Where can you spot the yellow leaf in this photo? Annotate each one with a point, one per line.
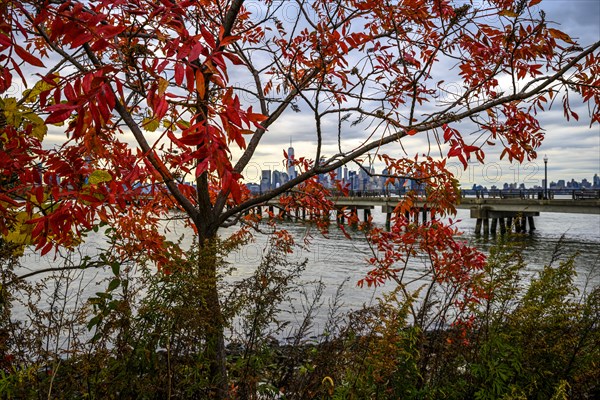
(20, 232)
(9, 106)
(99, 176)
(508, 13)
(39, 127)
(39, 131)
(163, 84)
(17, 116)
(185, 124)
(31, 95)
(150, 124)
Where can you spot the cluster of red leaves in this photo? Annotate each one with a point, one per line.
(520, 130)
(589, 74)
(458, 147)
(447, 261)
(87, 100)
(450, 260)
(17, 163)
(441, 188)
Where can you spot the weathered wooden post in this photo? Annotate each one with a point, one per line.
(531, 224)
(478, 226)
(494, 226)
(486, 226)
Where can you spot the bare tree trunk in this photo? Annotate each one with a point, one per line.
(214, 349)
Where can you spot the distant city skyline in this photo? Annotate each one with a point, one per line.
(365, 178)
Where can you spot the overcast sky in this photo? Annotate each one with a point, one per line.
(573, 148)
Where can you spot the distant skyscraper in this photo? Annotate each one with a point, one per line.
(276, 180)
(265, 183)
(353, 180)
(596, 181)
(338, 173)
(291, 168)
(323, 178)
(364, 178)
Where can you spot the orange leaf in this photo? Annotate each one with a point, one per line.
(508, 13)
(200, 84)
(229, 40)
(555, 33)
(257, 117)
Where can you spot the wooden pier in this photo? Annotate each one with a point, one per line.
(492, 213)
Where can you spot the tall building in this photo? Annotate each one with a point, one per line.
(596, 181)
(291, 168)
(364, 178)
(383, 179)
(265, 182)
(323, 178)
(353, 180)
(276, 181)
(338, 174)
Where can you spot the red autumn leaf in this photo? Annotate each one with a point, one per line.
(27, 57)
(58, 117)
(5, 40)
(179, 72)
(110, 31)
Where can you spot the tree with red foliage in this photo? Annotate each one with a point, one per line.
(109, 70)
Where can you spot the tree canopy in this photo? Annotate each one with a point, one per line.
(103, 70)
